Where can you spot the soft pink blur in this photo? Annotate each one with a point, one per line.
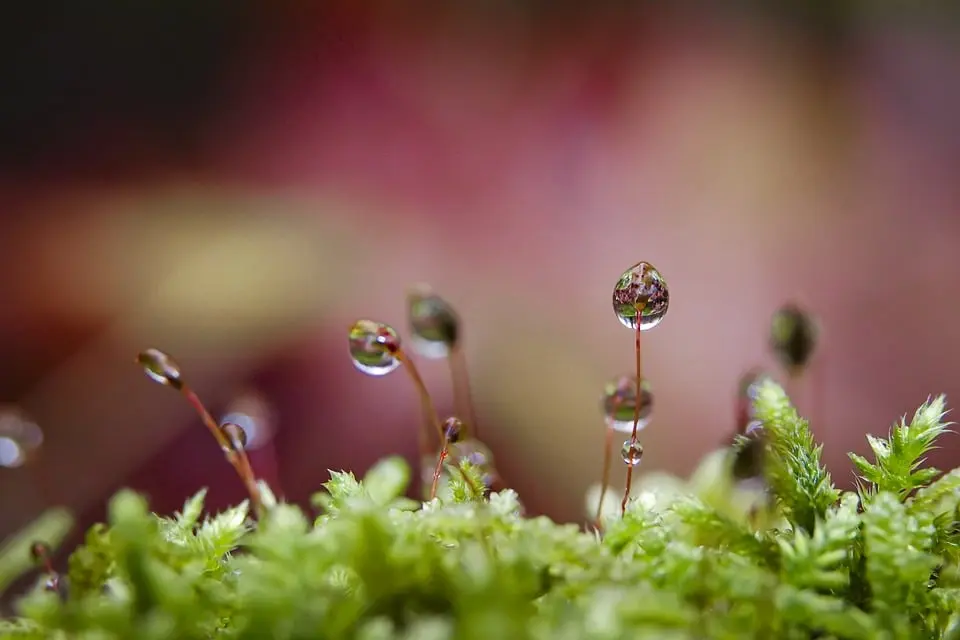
(519, 172)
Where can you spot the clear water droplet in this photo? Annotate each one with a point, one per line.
(793, 337)
(632, 453)
(160, 367)
(452, 429)
(434, 325)
(373, 347)
(235, 435)
(641, 287)
(620, 402)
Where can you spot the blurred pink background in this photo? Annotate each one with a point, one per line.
(236, 184)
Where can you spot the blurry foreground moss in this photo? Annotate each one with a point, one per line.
(881, 562)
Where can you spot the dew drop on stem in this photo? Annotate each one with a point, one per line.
(374, 347)
(793, 337)
(632, 453)
(641, 296)
(620, 403)
(434, 324)
(160, 367)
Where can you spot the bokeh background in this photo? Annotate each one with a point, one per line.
(236, 182)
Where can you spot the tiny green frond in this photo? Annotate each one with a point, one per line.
(898, 562)
(898, 459)
(192, 509)
(794, 470)
(689, 560)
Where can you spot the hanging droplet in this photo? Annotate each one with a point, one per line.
(620, 403)
(20, 437)
(793, 337)
(252, 412)
(452, 429)
(641, 289)
(434, 325)
(748, 453)
(235, 435)
(374, 347)
(160, 367)
(632, 453)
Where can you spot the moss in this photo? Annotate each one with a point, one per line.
(804, 560)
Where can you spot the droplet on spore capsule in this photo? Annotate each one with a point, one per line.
(632, 453)
(793, 337)
(235, 435)
(452, 429)
(620, 403)
(641, 290)
(434, 325)
(160, 367)
(374, 347)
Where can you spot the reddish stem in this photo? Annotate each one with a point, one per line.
(436, 472)
(235, 456)
(636, 412)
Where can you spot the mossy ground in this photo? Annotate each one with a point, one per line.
(803, 560)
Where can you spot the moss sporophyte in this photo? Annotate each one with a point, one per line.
(757, 543)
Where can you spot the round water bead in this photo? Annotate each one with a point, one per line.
(632, 453)
(160, 367)
(620, 403)
(452, 429)
(374, 347)
(235, 435)
(641, 290)
(434, 325)
(793, 337)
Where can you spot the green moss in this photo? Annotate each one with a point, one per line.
(816, 563)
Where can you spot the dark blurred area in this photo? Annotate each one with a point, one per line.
(236, 182)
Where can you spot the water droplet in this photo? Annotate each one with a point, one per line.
(434, 325)
(251, 411)
(641, 287)
(160, 367)
(452, 429)
(620, 402)
(374, 347)
(235, 435)
(748, 454)
(632, 453)
(793, 337)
